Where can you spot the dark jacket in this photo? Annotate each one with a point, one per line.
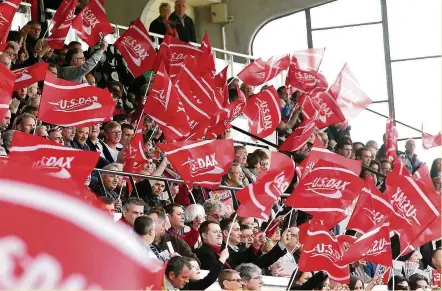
(187, 32)
(207, 281)
(179, 246)
(106, 151)
(159, 27)
(144, 190)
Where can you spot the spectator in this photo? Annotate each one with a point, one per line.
(264, 157)
(364, 155)
(418, 281)
(80, 138)
(251, 276)
(382, 151)
(412, 163)
(385, 167)
(215, 210)
(235, 234)
(74, 45)
(344, 147)
(400, 283)
(176, 217)
(108, 205)
(93, 142)
(373, 147)
(253, 168)
(230, 280)
(356, 283)
(288, 262)
(435, 168)
(127, 134)
(198, 283)
(144, 226)
(356, 145)
(54, 135)
(234, 177)
(76, 67)
(31, 109)
(53, 69)
(240, 155)
(41, 131)
(5, 121)
(68, 134)
(162, 237)
(437, 184)
(132, 209)
(182, 23)
(5, 60)
(112, 138)
(247, 90)
(177, 273)
(436, 259)
(7, 140)
(246, 236)
(162, 25)
(109, 182)
(32, 32)
(25, 123)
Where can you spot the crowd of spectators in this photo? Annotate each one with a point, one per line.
(189, 231)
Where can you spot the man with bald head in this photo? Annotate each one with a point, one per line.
(412, 162)
(5, 60)
(182, 22)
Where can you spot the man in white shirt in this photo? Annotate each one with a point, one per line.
(112, 138)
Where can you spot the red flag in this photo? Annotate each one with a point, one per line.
(134, 158)
(52, 158)
(200, 162)
(310, 59)
(304, 80)
(318, 152)
(68, 103)
(258, 198)
(322, 251)
(329, 187)
(325, 104)
(299, 137)
(391, 136)
(263, 112)
(136, 47)
(431, 231)
(165, 107)
(431, 141)
(30, 75)
(6, 87)
(374, 246)
(414, 204)
(91, 24)
(400, 168)
(350, 97)
(172, 53)
(205, 61)
(371, 209)
(7, 12)
(47, 204)
(423, 175)
(197, 98)
(260, 72)
(63, 18)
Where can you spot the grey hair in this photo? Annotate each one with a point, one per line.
(246, 271)
(211, 205)
(113, 167)
(165, 4)
(7, 138)
(192, 211)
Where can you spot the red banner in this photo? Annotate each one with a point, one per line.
(299, 137)
(63, 18)
(260, 72)
(6, 87)
(136, 47)
(91, 24)
(7, 9)
(30, 75)
(67, 103)
(35, 259)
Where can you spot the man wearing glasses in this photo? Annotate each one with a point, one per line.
(112, 138)
(77, 66)
(230, 280)
(251, 276)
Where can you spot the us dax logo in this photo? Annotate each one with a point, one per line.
(203, 166)
(135, 50)
(75, 105)
(264, 117)
(325, 250)
(55, 166)
(327, 187)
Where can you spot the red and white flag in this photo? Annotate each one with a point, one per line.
(164, 106)
(52, 158)
(134, 158)
(328, 188)
(30, 75)
(310, 59)
(350, 97)
(136, 47)
(432, 231)
(414, 205)
(373, 246)
(205, 61)
(321, 101)
(8, 9)
(299, 137)
(431, 141)
(200, 162)
(303, 80)
(73, 104)
(391, 136)
(257, 199)
(323, 252)
(7, 82)
(63, 18)
(260, 72)
(32, 259)
(263, 112)
(91, 24)
(318, 152)
(371, 209)
(172, 53)
(423, 175)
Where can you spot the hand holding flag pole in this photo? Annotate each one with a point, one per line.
(230, 230)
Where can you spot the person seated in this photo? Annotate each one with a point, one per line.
(198, 283)
(177, 273)
(251, 276)
(230, 280)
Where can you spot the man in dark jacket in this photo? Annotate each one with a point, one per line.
(182, 23)
(161, 24)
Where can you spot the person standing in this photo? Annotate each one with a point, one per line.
(161, 24)
(182, 22)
